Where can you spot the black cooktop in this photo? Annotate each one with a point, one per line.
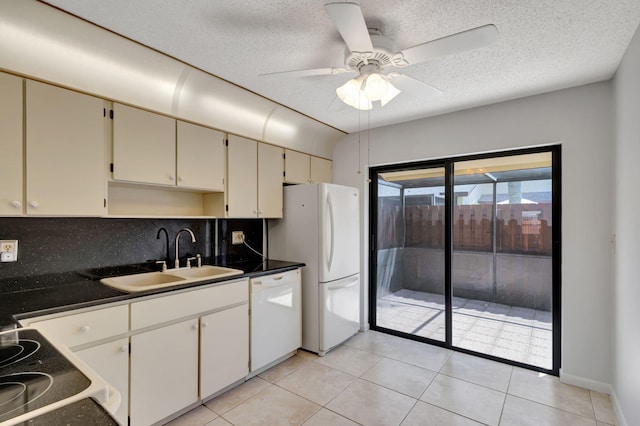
(34, 374)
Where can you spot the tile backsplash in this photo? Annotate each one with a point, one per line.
(55, 245)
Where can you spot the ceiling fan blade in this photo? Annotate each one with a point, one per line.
(412, 86)
(309, 72)
(349, 21)
(455, 43)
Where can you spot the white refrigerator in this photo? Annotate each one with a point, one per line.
(321, 227)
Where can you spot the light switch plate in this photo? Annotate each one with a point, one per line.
(8, 250)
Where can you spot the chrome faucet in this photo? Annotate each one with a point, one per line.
(193, 240)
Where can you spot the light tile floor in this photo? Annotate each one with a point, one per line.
(378, 379)
(510, 332)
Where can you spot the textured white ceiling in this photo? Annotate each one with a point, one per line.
(543, 45)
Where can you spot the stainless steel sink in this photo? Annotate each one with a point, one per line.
(172, 277)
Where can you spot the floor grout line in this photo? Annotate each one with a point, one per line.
(382, 339)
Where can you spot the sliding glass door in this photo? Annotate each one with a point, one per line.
(465, 254)
(410, 252)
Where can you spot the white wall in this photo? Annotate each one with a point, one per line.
(626, 365)
(582, 120)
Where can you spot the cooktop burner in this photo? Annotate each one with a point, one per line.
(19, 389)
(33, 374)
(16, 351)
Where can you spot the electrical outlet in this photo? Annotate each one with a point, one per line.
(8, 250)
(237, 237)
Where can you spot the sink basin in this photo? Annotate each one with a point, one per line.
(205, 272)
(172, 277)
(140, 282)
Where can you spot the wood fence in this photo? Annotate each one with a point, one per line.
(521, 228)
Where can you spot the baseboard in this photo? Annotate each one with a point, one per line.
(618, 409)
(597, 386)
(582, 382)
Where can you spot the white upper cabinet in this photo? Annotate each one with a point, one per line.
(151, 148)
(254, 179)
(270, 167)
(296, 167)
(144, 146)
(11, 182)
(65, 167)
(320, 170)
(242, 177)
(305, 168)
(200, 157)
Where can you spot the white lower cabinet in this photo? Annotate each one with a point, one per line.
(164, 371)
(175, 363)
(161, 353)
(224, 349)
(111, 361)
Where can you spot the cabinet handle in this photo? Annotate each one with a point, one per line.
(179, 178)
(34, 204)
(171, 178)
(205, 324)
(195, 326)
(16, 204)
(84, 329)
(124, 348)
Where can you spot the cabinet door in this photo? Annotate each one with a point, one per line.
(296, 166)
(111, 362)
(65, 152)
(164, 372)
(320, 170)
(11, 139)
(270, 168)
(144, 146)
(242, 177)
(224, 349)
(200, 157)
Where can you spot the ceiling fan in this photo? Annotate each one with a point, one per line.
(371, 55)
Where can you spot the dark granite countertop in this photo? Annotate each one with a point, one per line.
(47, 294)
(82, 413)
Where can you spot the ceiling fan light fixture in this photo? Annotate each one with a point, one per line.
(375, 86)
(392, 92)
(362, 91)
(351, 94)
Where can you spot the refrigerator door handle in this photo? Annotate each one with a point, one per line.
(349, 284)
(331, 221)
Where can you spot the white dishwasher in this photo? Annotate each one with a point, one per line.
(276, 317)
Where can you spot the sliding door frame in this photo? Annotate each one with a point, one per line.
(448, 165)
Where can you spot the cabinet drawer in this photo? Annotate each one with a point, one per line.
(176, 306)
(77, 329)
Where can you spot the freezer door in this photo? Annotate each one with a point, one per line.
(340, 311)
(339, 244)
